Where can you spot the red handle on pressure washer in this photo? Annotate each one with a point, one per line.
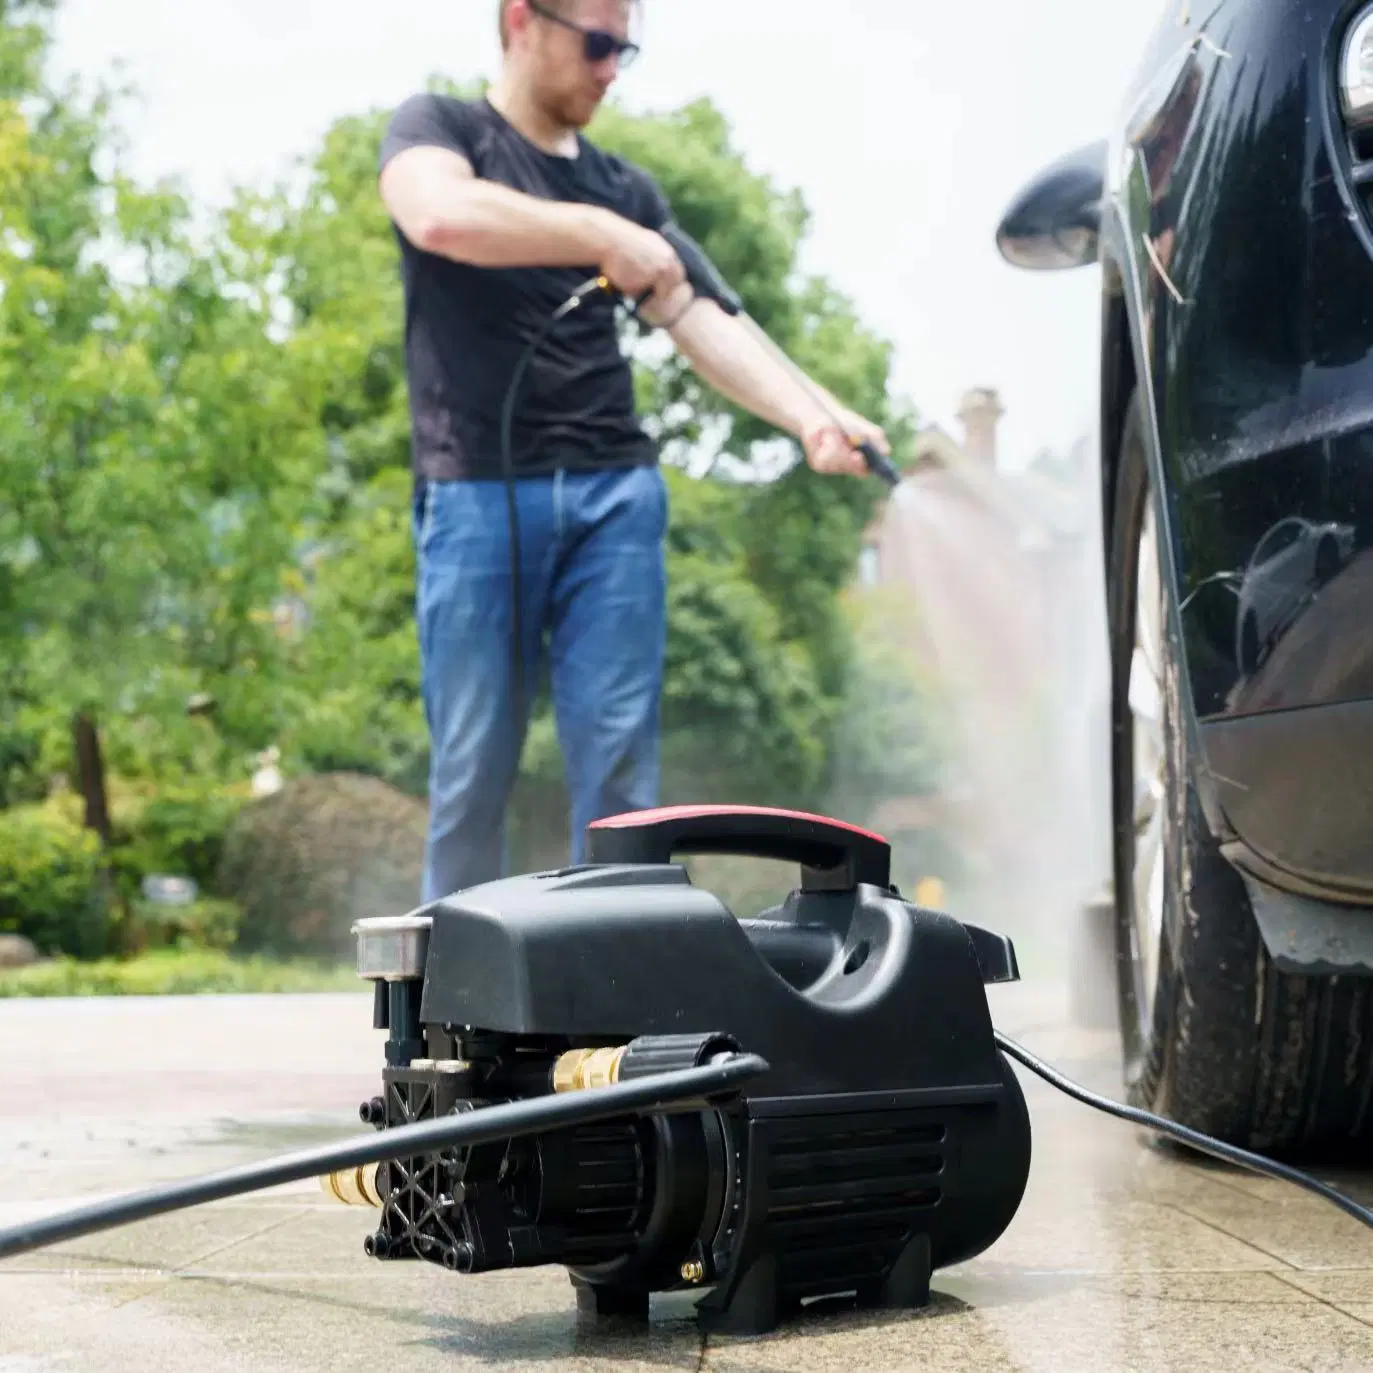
(834, 855)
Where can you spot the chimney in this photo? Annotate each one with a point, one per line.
(980, 411)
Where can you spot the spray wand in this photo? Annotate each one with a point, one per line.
(706, 284)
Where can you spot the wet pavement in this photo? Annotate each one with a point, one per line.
(1123, 1256)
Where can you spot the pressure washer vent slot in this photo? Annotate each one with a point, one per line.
(846, 1195)
(852, 1171)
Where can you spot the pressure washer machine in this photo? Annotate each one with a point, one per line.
(884, 1136)
(603, 1068)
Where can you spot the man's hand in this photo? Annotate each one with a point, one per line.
(830, 446)
(636, 260)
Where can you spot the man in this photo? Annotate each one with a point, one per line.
(502, 207)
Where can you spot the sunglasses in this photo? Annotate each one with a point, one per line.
(597, 44)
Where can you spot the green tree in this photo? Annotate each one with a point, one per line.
(152, 447)
(199, 434)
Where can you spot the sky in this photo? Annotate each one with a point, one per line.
(907, 125)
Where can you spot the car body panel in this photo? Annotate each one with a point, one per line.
(1236, 253)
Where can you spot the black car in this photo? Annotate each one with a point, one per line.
(1230, 212)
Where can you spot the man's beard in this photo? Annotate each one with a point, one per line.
(573, 110)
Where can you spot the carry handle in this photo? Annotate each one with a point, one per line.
(833, 855)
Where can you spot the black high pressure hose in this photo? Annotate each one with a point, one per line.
(573, 302)
(713, 1084)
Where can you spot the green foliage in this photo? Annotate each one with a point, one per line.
(321, 853)
(157, 446)
(353, 687)
(205, 923)
(204, 441)
(178, 831)
(886, 736)
(50, 890)
(176, 973)
(53, 887)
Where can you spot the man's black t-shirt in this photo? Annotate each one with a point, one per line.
(465, 327)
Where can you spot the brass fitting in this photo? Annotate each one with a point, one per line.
(578, 1069)
(353, 1186)
(693, 1271)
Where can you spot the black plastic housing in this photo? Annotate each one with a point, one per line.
(888, 1138)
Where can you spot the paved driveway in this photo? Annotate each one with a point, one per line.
(1122, 1257)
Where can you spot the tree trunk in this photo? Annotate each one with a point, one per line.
(90, 771)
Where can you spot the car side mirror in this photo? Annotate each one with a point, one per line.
(1053, 224)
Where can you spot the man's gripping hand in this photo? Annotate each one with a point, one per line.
(830, 438)
(638, 261)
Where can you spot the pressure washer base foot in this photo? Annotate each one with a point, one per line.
(618, 1303)
(750, 1306)
(907, 1285)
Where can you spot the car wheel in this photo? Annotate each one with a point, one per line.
(1213, 1035)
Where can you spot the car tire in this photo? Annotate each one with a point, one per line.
(1213, 1035)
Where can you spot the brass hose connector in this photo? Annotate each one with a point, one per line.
(353, 1186)
(578, 1069)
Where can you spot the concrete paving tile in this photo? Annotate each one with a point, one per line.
(160, 1244)
(1351, 1183)
(47, 1326)
(1293, 1227)
(1055, 1323)
(1122, 1256)
(1352, 1287)
(1349, 1292)
(1060, 1232)
(315, 1239)
(1051, 1320)
(422, 1316)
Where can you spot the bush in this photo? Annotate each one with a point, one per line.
(170, 973)
(178, 830)
(51, 888)
(205, 923)
(323, 852)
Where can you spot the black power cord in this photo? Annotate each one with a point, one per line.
(709, 1084)
(707, 284)
(1205, 1144)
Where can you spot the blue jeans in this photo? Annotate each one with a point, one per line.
(593, 597)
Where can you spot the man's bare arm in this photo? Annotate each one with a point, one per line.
(729, 357)
(443, 207)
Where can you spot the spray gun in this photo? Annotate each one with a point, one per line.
(707, 284)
